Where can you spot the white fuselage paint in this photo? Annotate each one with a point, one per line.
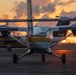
(42, 32)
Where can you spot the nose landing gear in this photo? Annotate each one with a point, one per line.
(43, 57)
(15, 58)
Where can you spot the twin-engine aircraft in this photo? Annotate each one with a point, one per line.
(40, 39)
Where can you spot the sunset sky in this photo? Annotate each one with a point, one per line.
(41, 8)
(14, 9)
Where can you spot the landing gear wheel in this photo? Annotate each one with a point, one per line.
(43, 57)
(63, 58)
(15, 58)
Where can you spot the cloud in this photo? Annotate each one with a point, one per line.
(67, 2)
(40, 2)
(48, 8)
(5, 16)
(40, 7)
(71, 1)
(36, 10)
(71, 13)
(21, 9)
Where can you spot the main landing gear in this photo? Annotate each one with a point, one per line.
(63, 57)
(16, 58)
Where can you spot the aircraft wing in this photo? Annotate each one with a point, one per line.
(58, 28)
(39, 30)
(9, 28)
(58, 32)
(42, 31)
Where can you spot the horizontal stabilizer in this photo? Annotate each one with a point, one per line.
(62, 23)
(61, 33)
(10, 28)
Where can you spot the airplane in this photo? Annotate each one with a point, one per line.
(38, 39)
(7, 42)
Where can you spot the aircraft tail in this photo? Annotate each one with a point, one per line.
(57, 35)
(62, 23)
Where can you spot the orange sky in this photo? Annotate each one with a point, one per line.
(46, 8)
(71, 39)
(41, 9)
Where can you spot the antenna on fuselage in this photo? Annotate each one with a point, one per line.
(29, 12)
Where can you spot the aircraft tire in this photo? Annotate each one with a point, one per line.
(43, 57)
(15, 58)
(63, 58)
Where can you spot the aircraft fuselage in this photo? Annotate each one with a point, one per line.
(38, 43)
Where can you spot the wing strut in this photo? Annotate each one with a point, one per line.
(17, 40)
(60, 40)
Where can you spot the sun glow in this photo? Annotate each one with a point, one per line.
(64, 41)
(71, 39)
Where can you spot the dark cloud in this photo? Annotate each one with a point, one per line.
(36, 10)
(48, 8)
(20, 9)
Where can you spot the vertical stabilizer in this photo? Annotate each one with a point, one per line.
(29, 12)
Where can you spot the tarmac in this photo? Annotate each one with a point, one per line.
(32, 64)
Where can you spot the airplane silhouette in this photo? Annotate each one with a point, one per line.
(38, 39)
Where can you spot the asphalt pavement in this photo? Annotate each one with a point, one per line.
(32, 64)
